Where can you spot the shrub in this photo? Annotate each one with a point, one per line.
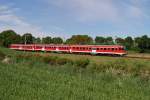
(63, 61)
(50, 60)
(119, 64)
(2, 55)
(82, 63)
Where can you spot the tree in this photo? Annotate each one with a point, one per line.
(103, 40)
(27, 38)
(57, 40)
(80, 39)
(47, 40)
(37, 40)
(142, 42)
(109, 41)
(8, 37)
(120, 41)
(99, 40)
(129, 42)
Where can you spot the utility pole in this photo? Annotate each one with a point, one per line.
(25, 40)
(115, 40)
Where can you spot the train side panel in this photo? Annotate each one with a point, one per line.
(92, 49)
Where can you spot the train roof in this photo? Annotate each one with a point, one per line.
(67, 45)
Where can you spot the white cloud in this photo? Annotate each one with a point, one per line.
(95, 10)
(9, 20)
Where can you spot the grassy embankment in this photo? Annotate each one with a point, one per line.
(38, 76)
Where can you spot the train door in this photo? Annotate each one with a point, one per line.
(94, 51)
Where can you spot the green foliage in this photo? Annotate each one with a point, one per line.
(47, 40)
(39, 81)
(99, 40)
(120, 41)
(82, 63)
(27, 38)
(64, 61)
(8, 37)
(140, 44)
(143, 43)
(35, 76)
(37, 40)
(129, 42)
(2, 55)
(52, 60)
(80, 39)
(57, 40)
(104, 41)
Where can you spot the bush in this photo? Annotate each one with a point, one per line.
(50, 60)
(82, 63)
(63, 61)
(2, 55)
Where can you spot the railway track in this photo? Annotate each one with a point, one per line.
(137, 57)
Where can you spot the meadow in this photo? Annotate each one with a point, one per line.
(51, 76)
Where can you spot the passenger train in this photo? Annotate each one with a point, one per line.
(88, 49)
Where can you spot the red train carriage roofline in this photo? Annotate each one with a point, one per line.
(97, 49)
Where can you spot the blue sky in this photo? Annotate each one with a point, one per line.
(117, 18)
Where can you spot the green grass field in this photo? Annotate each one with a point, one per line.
(33, 79)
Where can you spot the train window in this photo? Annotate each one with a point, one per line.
(104, 48)
(108, 48)
(97, 48)
(121, 48)
(116, 49)
(112, 49)
(93, 48)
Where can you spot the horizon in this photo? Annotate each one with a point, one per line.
(64, 18)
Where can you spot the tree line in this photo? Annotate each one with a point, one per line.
(141, 44)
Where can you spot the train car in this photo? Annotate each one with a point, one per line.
(89, 49)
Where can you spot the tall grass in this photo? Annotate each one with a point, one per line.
(24, 81)
(32, 76)
(2, 55)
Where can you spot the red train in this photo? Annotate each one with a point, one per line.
(89, 49)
